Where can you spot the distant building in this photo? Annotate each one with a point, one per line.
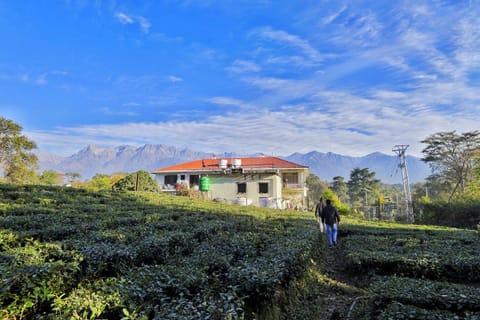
(258, 181)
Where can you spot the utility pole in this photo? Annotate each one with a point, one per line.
(400, 151)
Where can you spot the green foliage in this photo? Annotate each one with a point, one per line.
(426, 294)
(420, 269)
(425, 256)
(453, 158)
(69, 253)
(15, 156)
(89, 300)
(50, 178)
(32, 273)
(100, 182)
(340, 188)
(361, 181)
(400, 311)
(342, 208)
(141, 180)
(462, 214)
(400, 296)
(315, 188)
(20, 172)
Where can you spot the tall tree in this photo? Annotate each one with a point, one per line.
(361, 184)
(339, 186)
(315, 188)
(453, 157)
(18, 162)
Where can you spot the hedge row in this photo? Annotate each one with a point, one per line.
(407, 298)
(67, 253)
(430, 258)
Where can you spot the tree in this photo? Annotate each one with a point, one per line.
(362, 182)
(340, 188)
(336, 202)
(100, 182)
(18, 162)
(50, 178)
(72, 177)
(315, 188)
(453, 158)
(141, 178)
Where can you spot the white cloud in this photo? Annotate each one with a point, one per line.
(142, 22)
(124, 18)
(228, 101)
(243, 66)
(336, 121)
(331, 17)
(292, 40)
(174, 79)
(397, 76)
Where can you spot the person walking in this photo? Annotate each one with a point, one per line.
(318, 213)
(331, 219)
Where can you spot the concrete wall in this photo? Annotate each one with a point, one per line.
(225, 188)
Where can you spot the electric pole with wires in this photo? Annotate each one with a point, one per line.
(400, 151)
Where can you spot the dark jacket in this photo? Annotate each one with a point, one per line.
(330, 215)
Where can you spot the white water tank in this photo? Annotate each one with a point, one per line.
(223, 163)
(236, 163)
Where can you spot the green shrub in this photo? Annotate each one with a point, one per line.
(76, 254)
(407, 298)
(141, 180)
(461, 214)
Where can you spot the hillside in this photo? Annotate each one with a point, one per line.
(69, 253)
(94, 159)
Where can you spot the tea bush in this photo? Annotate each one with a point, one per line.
(74, 254)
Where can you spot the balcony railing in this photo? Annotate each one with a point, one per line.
(293, 185)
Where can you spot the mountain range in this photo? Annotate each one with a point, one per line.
(94, 159)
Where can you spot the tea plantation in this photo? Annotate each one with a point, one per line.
(73, 254)
(68, 253)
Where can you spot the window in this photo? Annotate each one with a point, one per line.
(241, 187)
(171, 179)
(194, 179)
(262, 187)
(182, 177)
(290, 178)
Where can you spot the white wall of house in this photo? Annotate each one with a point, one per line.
(262, 190)
(180, 178)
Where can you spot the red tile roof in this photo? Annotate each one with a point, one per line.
(246, 163)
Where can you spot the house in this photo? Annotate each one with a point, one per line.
(259, 181)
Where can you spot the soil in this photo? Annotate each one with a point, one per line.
(330, 291)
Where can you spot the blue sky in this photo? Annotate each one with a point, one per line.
(350, 77)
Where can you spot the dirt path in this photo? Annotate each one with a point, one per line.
(329, 289)
(343, 287)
